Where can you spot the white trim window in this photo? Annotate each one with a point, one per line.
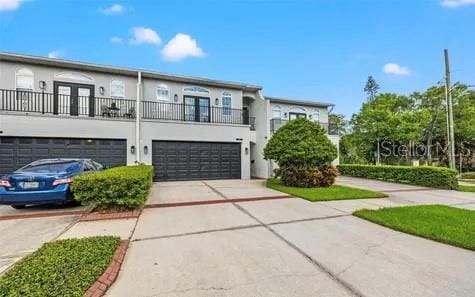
(226, 101)
(276, 112)
(163, 93)
(195, 89)
(24, 80)
(117, 89)
(316, 116)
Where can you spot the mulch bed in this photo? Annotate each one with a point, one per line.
(111, 215)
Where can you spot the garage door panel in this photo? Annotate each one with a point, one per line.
(16, 152)
(181, 160)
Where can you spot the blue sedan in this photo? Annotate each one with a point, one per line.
(46, 181)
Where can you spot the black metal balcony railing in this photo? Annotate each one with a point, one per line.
(194, 113)
(275, 124)
(57, 104)
(89, 106)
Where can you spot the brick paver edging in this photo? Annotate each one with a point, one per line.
(41, 215)
(105, 281)
(96, 216)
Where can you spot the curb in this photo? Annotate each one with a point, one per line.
(105, 281)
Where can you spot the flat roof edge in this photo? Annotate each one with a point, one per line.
(38, 60)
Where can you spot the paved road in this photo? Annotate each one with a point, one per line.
(287, 247)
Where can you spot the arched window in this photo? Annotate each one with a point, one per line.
(195, 89)
(117, 89)
(276, 112)
(24, 80)
(226, 102)
(316, 116)
(163, 94)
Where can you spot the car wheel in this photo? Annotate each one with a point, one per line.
(21, 206)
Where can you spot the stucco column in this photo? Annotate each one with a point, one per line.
(138, 147)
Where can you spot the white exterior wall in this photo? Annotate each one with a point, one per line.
(308, 110)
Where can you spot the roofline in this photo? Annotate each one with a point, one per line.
(38, 60)
(298, 101)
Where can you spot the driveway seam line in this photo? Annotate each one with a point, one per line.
(197, 232)
(345, 285)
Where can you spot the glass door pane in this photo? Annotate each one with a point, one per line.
(204, 109)
(190, 111)
(83, 101)
(64, 99)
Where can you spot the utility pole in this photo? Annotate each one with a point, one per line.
(450, 116)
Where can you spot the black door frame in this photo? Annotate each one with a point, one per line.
(74, 98)
(197, 108)
(297, 114)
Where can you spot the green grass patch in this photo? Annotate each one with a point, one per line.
(334, 192)
(446, 224)
(60, 268)
(465, 188)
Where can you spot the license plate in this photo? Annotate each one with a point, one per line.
(30, 185)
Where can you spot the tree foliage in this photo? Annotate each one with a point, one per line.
(371, 88)
(302, 142)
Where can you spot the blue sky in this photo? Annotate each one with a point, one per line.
(318, 50)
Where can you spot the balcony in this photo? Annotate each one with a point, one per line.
(114, 108)
(275, 124)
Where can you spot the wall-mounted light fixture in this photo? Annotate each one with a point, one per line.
(309, 116)
(145, 149)
(246, 150)
(216, 101)
(102, 90)
(132, 149)
(285, 115)
(175, 98)
(42, 85)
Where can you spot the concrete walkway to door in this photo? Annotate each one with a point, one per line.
(278, 247)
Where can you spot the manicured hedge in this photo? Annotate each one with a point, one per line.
(435, 177)
(468, 175)
(60, 268)
(120, 187)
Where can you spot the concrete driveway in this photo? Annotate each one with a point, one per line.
(279, 247)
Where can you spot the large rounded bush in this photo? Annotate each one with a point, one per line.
(304, 153)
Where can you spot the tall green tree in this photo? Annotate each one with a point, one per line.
(371, 88)
(338, 124)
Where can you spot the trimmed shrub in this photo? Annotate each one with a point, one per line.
(124, 187)
(307, 177)
(435, 177)
(60, 268)
(468, 175)
(303, 152)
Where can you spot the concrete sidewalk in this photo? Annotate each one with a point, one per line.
(286, 247)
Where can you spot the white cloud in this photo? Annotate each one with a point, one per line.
(6, 5)
(116, 39)
(55, 54)
(456, 3)
(396, 69)
(114, 9)
(144, 35)
(181, 47)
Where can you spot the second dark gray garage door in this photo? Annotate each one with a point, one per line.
(16, 152)
(183, 160)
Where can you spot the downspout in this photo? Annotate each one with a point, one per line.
(137, 118)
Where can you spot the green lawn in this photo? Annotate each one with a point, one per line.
(446, 224)
(60, 268)
(334, 192)
(465, 188)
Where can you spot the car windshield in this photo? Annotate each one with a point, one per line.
(53, 166)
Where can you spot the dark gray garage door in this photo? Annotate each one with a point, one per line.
(180, 160)
(16, 152)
